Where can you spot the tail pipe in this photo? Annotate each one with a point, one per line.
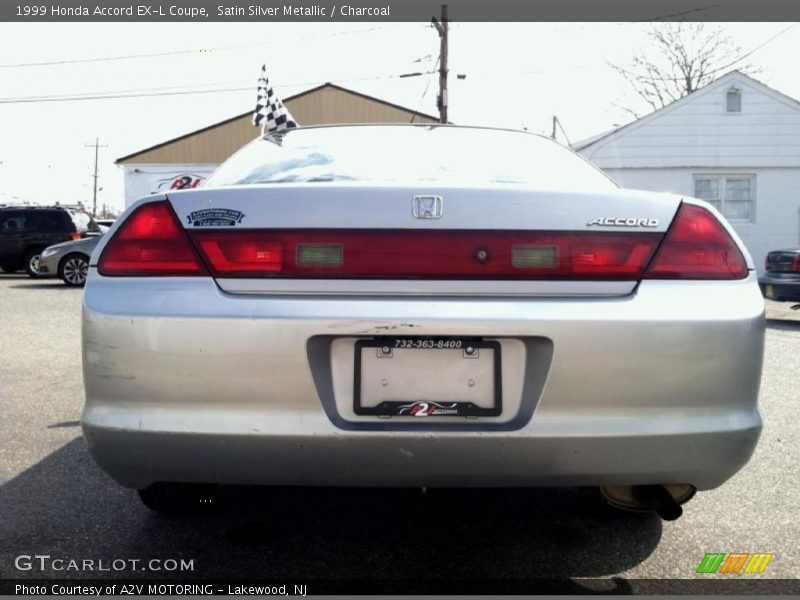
(664, 499)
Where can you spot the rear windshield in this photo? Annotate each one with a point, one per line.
(82, 221)
(397, 154)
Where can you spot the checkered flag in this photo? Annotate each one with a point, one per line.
(270, 113)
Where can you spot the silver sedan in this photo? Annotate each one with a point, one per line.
(69, 260)
(421, 306)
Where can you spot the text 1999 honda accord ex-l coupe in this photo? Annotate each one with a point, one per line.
(421, 306)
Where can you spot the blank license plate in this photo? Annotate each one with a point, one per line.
(427, 377)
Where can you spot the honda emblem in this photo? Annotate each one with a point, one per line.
(427, 207)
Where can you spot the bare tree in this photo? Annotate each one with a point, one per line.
(680, 58)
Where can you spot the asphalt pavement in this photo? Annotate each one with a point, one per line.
(55, 501)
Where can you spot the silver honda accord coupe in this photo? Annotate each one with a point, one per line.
(383, 305)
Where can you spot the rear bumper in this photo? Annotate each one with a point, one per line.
(187, 383)
(137, 459)
(781, 289)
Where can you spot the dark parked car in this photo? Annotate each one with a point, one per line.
(27, 230)
(781, 281)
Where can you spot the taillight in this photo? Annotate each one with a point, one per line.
(796, 263)
(151, 242)
(697, 246)
(74, 235)
(425, 254)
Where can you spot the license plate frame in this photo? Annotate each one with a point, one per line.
(432, 407)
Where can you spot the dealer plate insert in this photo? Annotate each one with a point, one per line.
(445, 357)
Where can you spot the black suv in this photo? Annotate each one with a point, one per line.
(27, 230)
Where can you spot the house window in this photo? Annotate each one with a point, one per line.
(733, 101)
(733, 196)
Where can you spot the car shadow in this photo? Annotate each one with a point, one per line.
(43, 285)
(66, 506)
(783, 324)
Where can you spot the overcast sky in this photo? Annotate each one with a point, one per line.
(518, 75)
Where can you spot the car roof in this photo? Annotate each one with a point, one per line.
(26, 207)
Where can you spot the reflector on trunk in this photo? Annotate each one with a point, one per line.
(320, 255)
(433, 254)
(532, 257)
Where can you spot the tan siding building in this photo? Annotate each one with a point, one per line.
(187, 160)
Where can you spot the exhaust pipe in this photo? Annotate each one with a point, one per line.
(665, 499)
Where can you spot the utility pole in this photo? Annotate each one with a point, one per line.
(96, 147)
(442, 27)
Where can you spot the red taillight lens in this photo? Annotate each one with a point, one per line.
(425, 254)
(150, 242)
(697, 246)
(239, 256)
(796, 264)
(74, 235)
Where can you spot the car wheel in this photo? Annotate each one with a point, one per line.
(176, 498)
(8, 268)
(32, 263)
(73, 269)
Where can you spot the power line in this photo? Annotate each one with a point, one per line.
(178, 52)
(117, 95)
(159, 88)
(194, 89)
(121, 57)
(425, 92)
(207, 88)
(759, 47)
(112, 97)
(733, 62)
(676, 16)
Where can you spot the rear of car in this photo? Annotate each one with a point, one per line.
(420, 306)
(781, 278)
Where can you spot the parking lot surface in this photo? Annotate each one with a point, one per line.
(55, 501)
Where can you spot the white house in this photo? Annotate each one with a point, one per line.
(734, 143)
